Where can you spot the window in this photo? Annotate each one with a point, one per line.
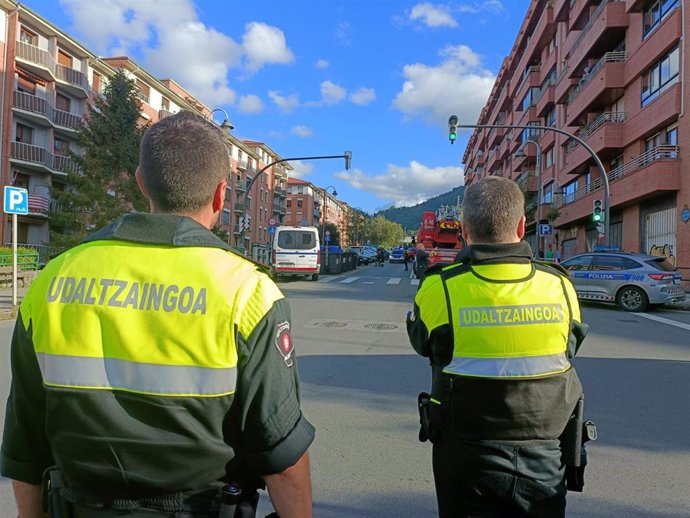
(300, 189)
(64, 59)
(530, 133)
(21, 180)
(612, 262)
(299, 203)
(547, 196)
(25, 134)
(28, 37)
(144, 90)
(96, 82)
(569, 191)
(654, 12)
(288, 204)
(550, 119)
(663, 74)
(581, 262)
(548, 157)
(61, 147)
(165, 104)
(63, 102)
(226, 217)
(228, 194)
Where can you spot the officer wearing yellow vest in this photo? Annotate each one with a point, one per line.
(499, 330)
(152, 365)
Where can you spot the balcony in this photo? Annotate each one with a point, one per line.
(35, 108)
(606, 26)
(240, 186)
(63, 119)
(142, 96)
(661, 111)
(543, 31)
(657, 170)
(39, 62)
(239, 206)
(530, 79)
(588, 130)
(563, 84)
(605, 132)
(278, 208)
(162, 114)
(278, 191)
(72, 80)
(527, 182)
(600, 87)
(545, 98)
(39, 205)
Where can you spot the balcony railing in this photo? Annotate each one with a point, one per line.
(239, 206)
(664, 152)
(609, 57)
(525, 76)
(587, 130)
(240, 186)
(71, 76)
(141, 95)
(34, 104)
(38, 203)
(543, 90)
(36, 55)
(162, 114)
(40, 155)
(593, 18)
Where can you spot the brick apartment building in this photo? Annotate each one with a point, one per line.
(613, 73)
(48, 79)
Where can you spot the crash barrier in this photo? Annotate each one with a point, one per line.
(338, 262)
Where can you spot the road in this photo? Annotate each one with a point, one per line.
(360, 379)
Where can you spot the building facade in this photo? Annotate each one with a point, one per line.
(613, 73)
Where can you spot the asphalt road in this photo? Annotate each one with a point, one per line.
(360, 379)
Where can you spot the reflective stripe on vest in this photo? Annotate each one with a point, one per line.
(143, 378)
(508, 320)
(151, 319)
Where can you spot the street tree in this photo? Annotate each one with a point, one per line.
(383, 232)
(101, 186)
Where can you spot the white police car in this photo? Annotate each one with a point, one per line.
(633, 281)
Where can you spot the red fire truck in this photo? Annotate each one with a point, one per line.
(439, 232)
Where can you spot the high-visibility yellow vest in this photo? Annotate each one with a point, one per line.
(162, 322)
(508, 320)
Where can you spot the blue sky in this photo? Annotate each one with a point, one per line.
(318, 77)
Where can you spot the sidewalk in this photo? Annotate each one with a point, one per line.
(8, 312)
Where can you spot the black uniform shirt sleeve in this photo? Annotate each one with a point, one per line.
(25, 449)
(266, 426)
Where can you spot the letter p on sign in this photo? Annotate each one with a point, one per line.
(16, 200)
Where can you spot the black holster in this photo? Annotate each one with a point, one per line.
(573, 451)
(53, 503)
(428, 430)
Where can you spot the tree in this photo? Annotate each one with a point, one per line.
(102, 186)
(334, 238)
(383, 232)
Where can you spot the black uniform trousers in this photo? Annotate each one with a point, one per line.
(487, 479)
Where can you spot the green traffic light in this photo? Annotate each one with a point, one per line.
(452, 136)
(596, 217)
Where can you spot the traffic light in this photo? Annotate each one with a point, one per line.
(247, 222)
(452, 128)
(598, 211)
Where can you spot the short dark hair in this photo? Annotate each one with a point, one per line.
(492, 208)
(182, 160)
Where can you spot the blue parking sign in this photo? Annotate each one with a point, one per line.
(16, 200)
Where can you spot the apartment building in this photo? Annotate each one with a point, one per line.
(612, 73)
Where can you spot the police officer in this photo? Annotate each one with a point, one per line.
(503, 388)
(152, 364)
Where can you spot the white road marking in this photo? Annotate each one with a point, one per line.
(394, 280)
(349, 280)
(368, 282)
(414, 282)
(663, 320)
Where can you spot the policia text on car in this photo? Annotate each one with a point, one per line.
(152, 366)
(505, 411)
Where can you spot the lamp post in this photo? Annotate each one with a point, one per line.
(324, 193)
(347, 155)
(597, 160)
(540, 189)
(226, 123)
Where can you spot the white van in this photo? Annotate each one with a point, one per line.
(296, 251)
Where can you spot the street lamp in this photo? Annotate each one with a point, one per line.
(226, 123)
(324, 193)
(595, 157)
(520, 153)
(347, 155)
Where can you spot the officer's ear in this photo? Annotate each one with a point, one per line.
(140, 182)
(219, 196)
(521, 227)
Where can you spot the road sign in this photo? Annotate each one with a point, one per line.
(16, 200)
(271, 230)
(272, 222)
(600, 228)
(327, 237)
(328, 233)
(545, 229)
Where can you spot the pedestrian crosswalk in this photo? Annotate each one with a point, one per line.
(390, 281)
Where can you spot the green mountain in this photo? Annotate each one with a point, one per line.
(411, 217)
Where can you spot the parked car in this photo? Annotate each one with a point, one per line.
(632, 281)
(397, 255)
(364, 254)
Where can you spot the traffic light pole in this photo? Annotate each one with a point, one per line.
(597, 160)
(347, 155)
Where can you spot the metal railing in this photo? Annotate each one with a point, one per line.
(66, 119)
(71, 76)
(525, 76)
(40, 155)
(593, 18)
(241, 186)
(34, 104)
(239, 206)
(609, 57)
(44, 58)
(162, 114)
(663, 152)
(543, 89)
(588, 130)
(141, 95)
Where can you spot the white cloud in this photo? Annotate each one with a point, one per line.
(406, 185)
(285, 102)
(264, 44)
(458, 85)
(362, 96)
(302, 131)
(250, 104)
(495, 6)
(433, 15)
(322, 64)
(332, 93)
(300, 169)
(343, 34)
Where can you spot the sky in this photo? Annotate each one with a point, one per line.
(318, 77)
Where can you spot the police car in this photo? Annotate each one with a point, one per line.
(632, 281)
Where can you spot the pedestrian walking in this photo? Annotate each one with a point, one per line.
(500, 331)
(152, 366)
(406, 258)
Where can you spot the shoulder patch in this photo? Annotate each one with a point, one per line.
(283, 342)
